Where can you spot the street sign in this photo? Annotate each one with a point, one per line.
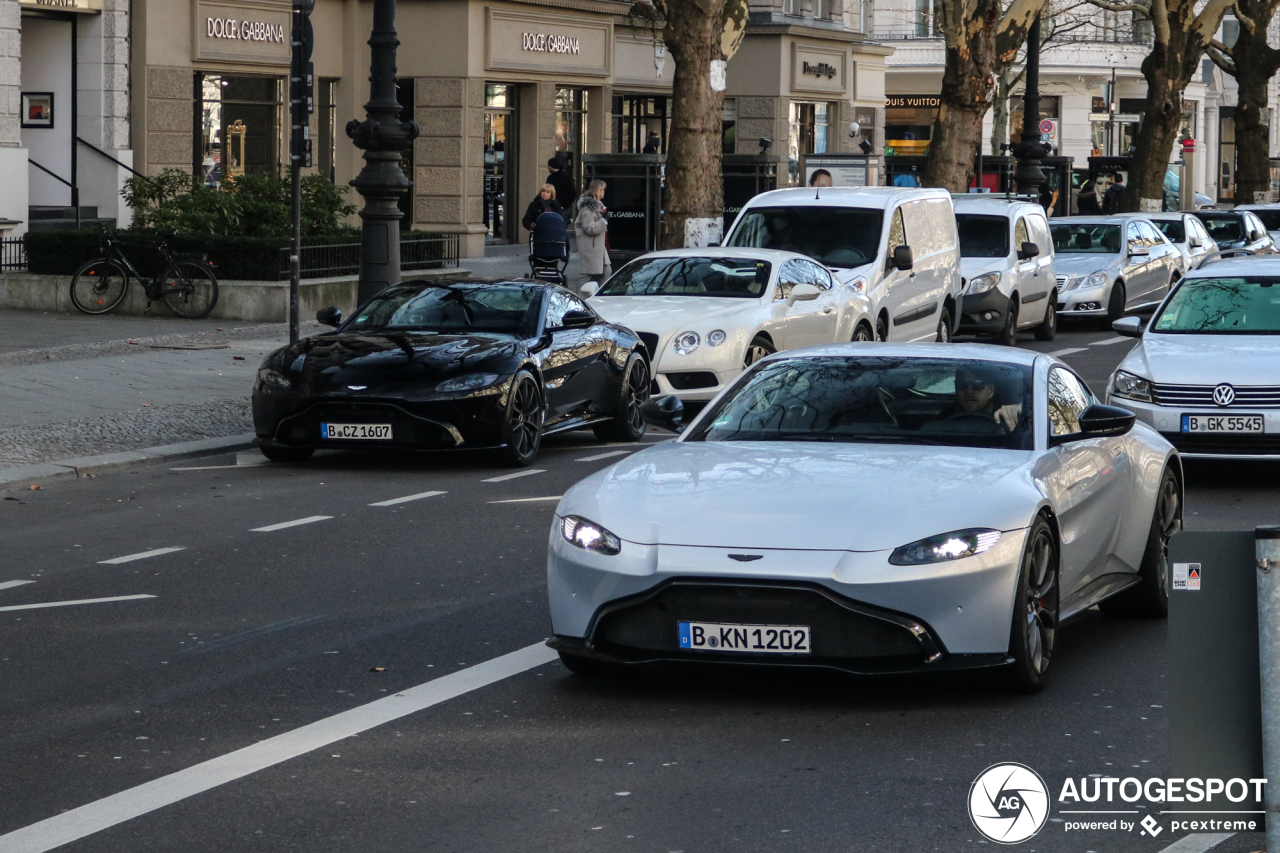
(1128, 118)
(1099, 116)
(1049, 131)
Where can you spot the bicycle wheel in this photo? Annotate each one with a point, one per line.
(190, 289)
(98, 286)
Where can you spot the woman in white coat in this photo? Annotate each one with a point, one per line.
(591, 226)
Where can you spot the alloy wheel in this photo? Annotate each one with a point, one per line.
(637, 392)
(525, 418)
(1167, 511)
(755, 352)
(1041, 605)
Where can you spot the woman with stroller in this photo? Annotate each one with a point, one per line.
(592, 227)
(545, 200)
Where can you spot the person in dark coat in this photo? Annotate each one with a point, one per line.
(1087, 203)
(545, 200)
(1114, 195)
(559, 178)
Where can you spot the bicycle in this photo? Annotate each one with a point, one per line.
(185, 283)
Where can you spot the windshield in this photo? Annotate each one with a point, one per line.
(742, 278)
(452, 308)
(1223, 306)
(949, 402)
(1223, 227)
(1085, 239)
(982, 236)
(834, 236)
(1270, 218)
(1171, 228)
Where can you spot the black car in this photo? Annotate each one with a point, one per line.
(1237, 229)
(439, 365)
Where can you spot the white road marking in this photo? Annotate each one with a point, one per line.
(1117, 340)
(282, 525)
(142, 556)
(1198, 843)
(528, 500)
(604, 455)
(116, 809)
(408, 498)
(503, 478)
(68, 604)
(12, 584)
(1060, 353)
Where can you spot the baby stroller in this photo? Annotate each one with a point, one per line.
(549, 248)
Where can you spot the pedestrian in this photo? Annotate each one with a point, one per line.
(592, 228)
(1114, 195)
(652, 144)
(1087, 202)
(1048, 198)
(545, 200)
(563, 184)
(906, 179)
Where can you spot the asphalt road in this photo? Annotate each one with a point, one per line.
(252, 635)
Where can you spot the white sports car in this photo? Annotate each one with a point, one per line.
(704, 314)
(871, 508)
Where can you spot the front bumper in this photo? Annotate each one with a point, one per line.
(691, 385)
(983, 313)
(1167, 420)
(1084, 301)
(962, 607)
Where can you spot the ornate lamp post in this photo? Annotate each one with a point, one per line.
(383, 136)
(1030, 149)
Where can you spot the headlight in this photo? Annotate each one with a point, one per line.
(1096, 279)
(274, 378)
(589, 536)
(946, 546)
(857, 285)
(983, 283)
(1131, 387)
(716, 338)
(468, 383)
(686, 342)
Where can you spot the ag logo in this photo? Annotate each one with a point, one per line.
(1008, 803)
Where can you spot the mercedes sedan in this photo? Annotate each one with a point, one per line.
(870, 508)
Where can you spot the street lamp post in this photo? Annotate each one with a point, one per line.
(381, 182)
(1030, 149)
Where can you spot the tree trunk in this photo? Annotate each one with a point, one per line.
(1154, 142)
(1255, 63)
(695, 191)
(967, 83)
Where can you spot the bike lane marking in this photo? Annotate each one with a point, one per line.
(115, 561)
(282, 525)
(408, 498)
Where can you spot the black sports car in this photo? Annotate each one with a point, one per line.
(438, 365)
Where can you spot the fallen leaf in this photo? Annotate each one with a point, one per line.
(238, 357)
(378, 669)
(33, 487)
(132, 341)
(148, 405)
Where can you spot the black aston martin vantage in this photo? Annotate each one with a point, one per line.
(439, 365)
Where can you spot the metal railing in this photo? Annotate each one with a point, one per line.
(13, 255)
(335, 259)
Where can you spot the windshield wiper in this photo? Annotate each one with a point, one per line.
(781, 436)
(893, 439)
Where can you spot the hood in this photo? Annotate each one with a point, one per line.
(1065, 263)
(801, 495)
(667, 314)
(971, 268)
(844, 275)
(1205, 359)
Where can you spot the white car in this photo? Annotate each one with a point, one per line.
(1107, 266)
(895, 245)
(871, 508)
(1206, 372)
(1006, 258)
(705, 314)
(1187, 232)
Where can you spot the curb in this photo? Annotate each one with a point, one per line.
(66, 469)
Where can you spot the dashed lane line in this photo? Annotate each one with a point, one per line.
(12, 584)
(1109, 341)
(1198, 843)
(282, 525)
(599, 456)
(1060, 353)
(504, 477)
(408, 498)
(140, 556)
(102, 814)
(69, 604)
(528, 500)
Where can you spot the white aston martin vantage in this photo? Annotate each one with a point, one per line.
(870, 508)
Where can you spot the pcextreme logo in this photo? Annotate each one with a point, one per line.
(1008, 803)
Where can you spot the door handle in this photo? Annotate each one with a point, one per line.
(827, 310)
(911, 275)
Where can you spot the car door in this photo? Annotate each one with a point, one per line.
(1163, 264)
(922, 290)
(1262, 244)
(813, 321)
(1137, 264)
(1024, 270)
(574, 367)
(896, 284)
(1043, 285)
(1207, 244)
(1089, 481)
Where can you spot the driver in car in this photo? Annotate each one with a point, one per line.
(976, 395)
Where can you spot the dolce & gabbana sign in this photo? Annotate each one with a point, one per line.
(235, 31)
(549, 43)
(564, 44)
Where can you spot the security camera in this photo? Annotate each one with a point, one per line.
(765, 142)
(865, 146)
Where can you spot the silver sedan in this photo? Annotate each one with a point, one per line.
(1107, 266)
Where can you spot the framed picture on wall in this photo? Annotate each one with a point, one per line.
(37, 109)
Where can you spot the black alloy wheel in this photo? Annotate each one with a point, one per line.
(759, 347)
(1115, 305)
(277, 453)
(1035, 612)
(863, 334)
(1149, 598)
(626, 423)
(1048, 328)
(522, 426)
(944, 328)
(1008, 334)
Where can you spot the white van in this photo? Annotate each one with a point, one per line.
(1006, 257)
(895, 245)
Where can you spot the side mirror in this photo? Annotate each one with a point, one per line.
(1130, 327)
(665, 412)
(577, 320)
(1139, 251)
(329, 316)
(1099, 421)
(803, 293)
(903, 259)
(1195, 242)
(713, 245)
(589, 289)
(1028, 251)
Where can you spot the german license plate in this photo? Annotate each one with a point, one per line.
(358, 432)
(752, 639)
(1222, 423)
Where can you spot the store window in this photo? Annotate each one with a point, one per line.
(571, 125)
(239, 126)
(327, 127)
(640, 124)
(729, 126)
(499, 158)
(908, 123)
(808, 133)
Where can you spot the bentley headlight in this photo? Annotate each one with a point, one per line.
(686, 342)
(1131, 387)
(589, 536)
(716, 338)
(946, 546)
(983, 283)
(473, 382)
(1096, 279)
(274, 378)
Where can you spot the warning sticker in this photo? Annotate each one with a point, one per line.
(1187, 576)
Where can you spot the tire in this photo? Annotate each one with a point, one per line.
(943, 335)
(863, 334)
(522, 423)
(1116, 304)
(1035, 612)
(1048, 328)
(190, 289)
(1008, 335)
(276, 453)
(588, 667)
(626, 423)
(99, 286)
(1149, 599)
(882, 329)
(759, 347)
